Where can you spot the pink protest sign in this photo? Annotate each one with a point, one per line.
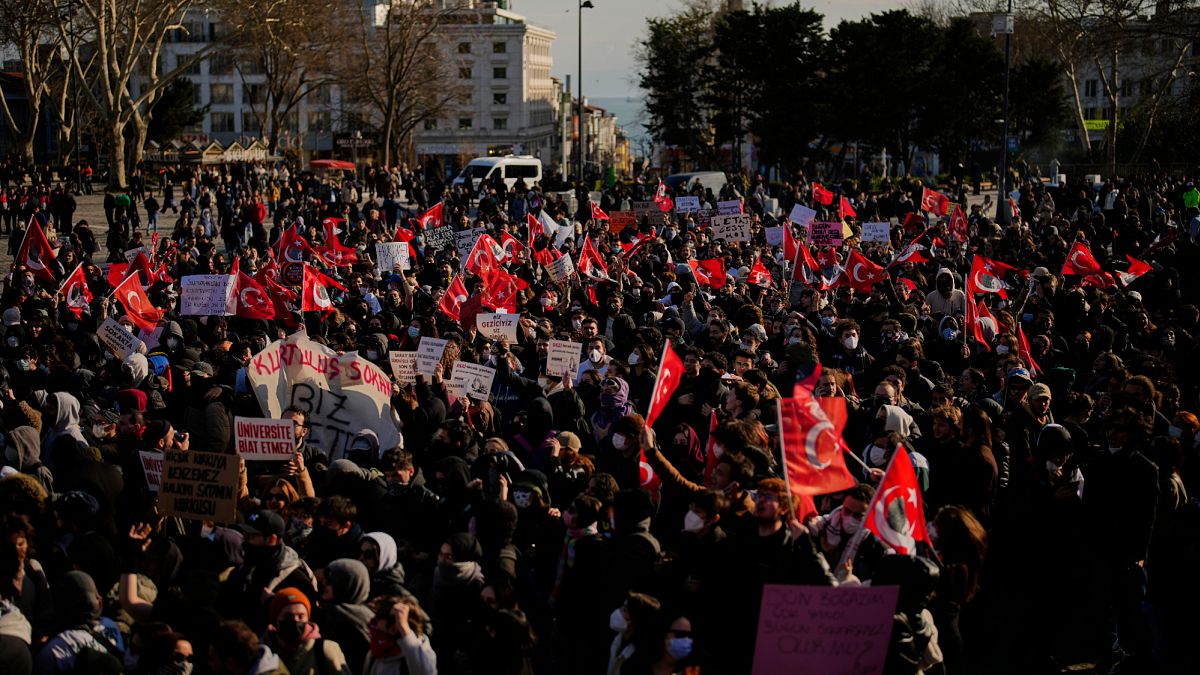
(829, 630)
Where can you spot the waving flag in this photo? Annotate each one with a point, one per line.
(1080, 261)
(292, 246)
(35, 251)
(1137, 268)
(985, 277)
(911, 253)
(432, 217)
(862, 273)
(934, 201)
(897, 514)
(597, 213)
(662, 200)
(511, 247)
(253, 301)
(846, 210)
(334, 252)
(453, 299)
(709, 273)
(759, 276)
(404, 234)
(1024, 352)
(316, 291)
(132, 296)
(710, 457)
(810, 433)
(975, 322)
(958, 224)
(501, 290)
(481, 261)
(820, 195)
(75, 292)
(591, 264)
(670, 373)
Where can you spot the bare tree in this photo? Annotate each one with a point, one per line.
(399, 70)
(27, 26)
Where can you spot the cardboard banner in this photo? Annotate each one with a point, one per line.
(704, 217)
(731, 228)
(619, 220)
(881, 232)
(404, 366)
(651, 213)
(265, 440)
(824, 629)
(687, 204)
(152, 468)
(560, 270)
(498, 326)
(438, 237)
(341, 394)
(775, 235)
(471, 379)
(731, 207)
(562, 356)
(389, 254)
(802, 215)
(207, 295)
(200, 485)
(429, 353)
(119, 341)
(825, 233)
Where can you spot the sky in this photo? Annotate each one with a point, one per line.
(613, 26)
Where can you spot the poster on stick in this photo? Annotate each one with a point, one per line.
(390, 254)
(731, 228)
(404, 366)
(562, 357)
(825, 233)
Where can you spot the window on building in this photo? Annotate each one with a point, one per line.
(465, 123)
(464, 48)
(500, 73)
(499, 47)
(1090, 88)
(291, 121)
(499, 99)
(222, 122)
(318, 121)
(254, 93)
(220, 65)
(430, 125)
(499, 122)
(250, 123)
(1127, 88)
(1089, 113)
(197, 94)
(193, 69)
(323, 94)
(220, 93)
(464, 73)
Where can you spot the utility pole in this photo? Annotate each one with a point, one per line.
(1004, 23)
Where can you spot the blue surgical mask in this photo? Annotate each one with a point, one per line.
(680, 648)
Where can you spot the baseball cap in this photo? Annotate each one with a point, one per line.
(570, 440)
(1039, 390)
(1019, 374)
(264, 522)
(12, 316)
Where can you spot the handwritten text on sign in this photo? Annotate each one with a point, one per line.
(152, 467)
(825, 233)
(207, 295)
(200, 485)
(823, 629)
(271, 440)
(391, 254)
(497, 326)
(731, 228)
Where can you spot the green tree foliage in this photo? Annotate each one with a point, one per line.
(174, 112)
(1038, 103)
(674, 59)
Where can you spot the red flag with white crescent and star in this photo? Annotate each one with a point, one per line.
(670, 373)
(934, 201)
(597, 213)
(1080, 261)
(1137, 268)
(862, 274)
(759, 276)
(820, 195)
(453, 299)
(662, 199)
(810, 433)
(138, 307)
(709, 273)
(985, 276)
(958, 224)
(897, 513)
(35, 251)
(591, 264)
(431, 218)
(292, 246)
(252, 300)
(316, 291)
(75, 292)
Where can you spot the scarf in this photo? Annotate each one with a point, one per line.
(383, 645)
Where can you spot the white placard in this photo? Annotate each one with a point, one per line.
(404, 366)
(731, 228)
(465, 240)
(429, 353)
(732, 207)
(687, 204)
(388, 254)
(498, 326)
(132, 253)
(562, 357)
(560, 270)
(263, 439)
(152, 467)
(881, 232)
(471, 379)
(802, 215)
(119, 341)
(207, 295)
(775, 235)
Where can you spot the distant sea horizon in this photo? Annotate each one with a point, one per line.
(630, 118)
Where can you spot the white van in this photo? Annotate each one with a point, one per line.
(509, 167)
(684, 182)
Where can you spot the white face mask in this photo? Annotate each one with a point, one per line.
(850, 524)
(718, 450)
(634, 358)
(617, 622)
(692, 522)
(372, 355)
(1002, 349)
(876, 455)
(619, 441)
(99, 430)
(596, 356)
(851, 342)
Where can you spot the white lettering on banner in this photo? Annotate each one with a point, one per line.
(775, 235)
(471, 379)
(731, 207)
(439, 236)
(389, 254)
(429, 354)
(873, 231)
(497, 326)
(119, 341)
(342, 395)
(404, 366)
(562, 358)
(152, 466)
(731, 228)
(262, 439)
(560, 270)
(687, 204)
(207, 295)
(802, 215)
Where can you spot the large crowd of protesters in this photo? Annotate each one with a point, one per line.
(1055, 447)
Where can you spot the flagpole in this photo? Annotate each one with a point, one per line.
(68, 277)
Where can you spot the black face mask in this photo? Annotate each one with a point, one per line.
(255, 554)
(291, 631)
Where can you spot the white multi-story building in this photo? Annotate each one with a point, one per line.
(509, 103)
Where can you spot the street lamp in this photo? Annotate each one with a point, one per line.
(586, 4)
(1003, 23)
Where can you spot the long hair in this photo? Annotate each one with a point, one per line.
(962, 544)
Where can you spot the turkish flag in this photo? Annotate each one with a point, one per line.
(958, 224)
(316, 291)
(292, 246)
(1137, 268)
(543, 256)
(973, 321)
(75, 292)
(431, 218)
(453, 299)
(862, 274)
(709, 273)
(759, 276)
(511, 246)
(501, 291)
(35, 251)
(934, 201)
(845, 209)
(1024, 352)
(662, 200)
(403, 234)
(334, 252)
(911, 253)
(591, 264)
(598, 214)
(132, 296)
(897, 514)
(1080, 261)
(791, 245)
(481, 261)
(252, 299)
(985, 276)
(820, 195)
(812, 443)
(710, 457)
(670, 372)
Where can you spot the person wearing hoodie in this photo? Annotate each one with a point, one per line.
(457, 582)
(63, 409)
(24, 453)
(342, 610)
(379, 553)
(400, 639)
(267, 564)
(945, 299)
(77, 606)
(614, 404)
(298, 640)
